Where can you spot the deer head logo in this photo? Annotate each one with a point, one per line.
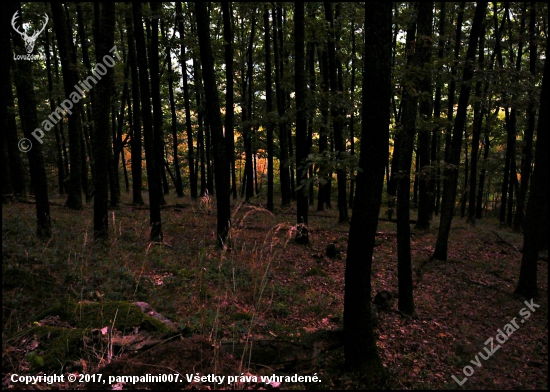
(29, 41)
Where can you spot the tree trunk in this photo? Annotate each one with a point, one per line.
(229, 76)
(280, 93)
(177, 172)
(527, 150)
(479, 113)
(336, 113)
(302, 231)
(223, 191)
(408, 122)
(104, 35)
(153, 173)
(70, 79)
(137, 198)
(359, 343)
(188, 127)
(269, 110)
(29, 122)
(536, 216)
(451, 173)
(155, 98)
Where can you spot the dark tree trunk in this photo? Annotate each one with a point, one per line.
(177, 172)
(104, 35)
(435, 145)
(137, 198)
(15, 165)
(302, 231)
(70, 79)
(153, 173)
(60, 163)
(451, 173)
(537, 206)
(359, 343)
(479, 202)
(284, 172)
(452, 87)
(479, 113)
(352, 114)
(223, 191)
(324, 182)
(408, 121)
(336, 113)
(527, 149)
(269, 110)
(424, 53)
(29, 122)
(229, 76)
(156, 100)
(188, 127)
(208, 152)
(247, 115)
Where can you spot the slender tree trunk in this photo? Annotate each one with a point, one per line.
(155, 98)
(247, 115)
(229, 75)
(435, 145)
(269, 109)
(188, 127)
(479, 113)
(408, 121)
(324, 182)
(337, 113)
(60, 163)
(177, 172)
(451, 173)
(104, 35)
(153, 173)
(137, 198)
(280, 93)
(16, 165)
(452, 87)
(352, 114)
(479, 202)
(223, 192)
(23, 78)
(70, 78)
(424, 52)
(302, 231)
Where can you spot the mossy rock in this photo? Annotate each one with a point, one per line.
(75, 334)
(122, 315)
(56, 347)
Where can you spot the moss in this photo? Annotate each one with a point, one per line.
(57, 346)
(88, 315)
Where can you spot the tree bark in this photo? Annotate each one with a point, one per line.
(29, 122)
(536, 216)
(153, 173)
(302, 231)
(451, 173)
(70, 79)
(359, 342)
(104, 40)
(223, 191)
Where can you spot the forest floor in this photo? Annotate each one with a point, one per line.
(265, 298)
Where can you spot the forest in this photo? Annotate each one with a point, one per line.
(275, 195)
